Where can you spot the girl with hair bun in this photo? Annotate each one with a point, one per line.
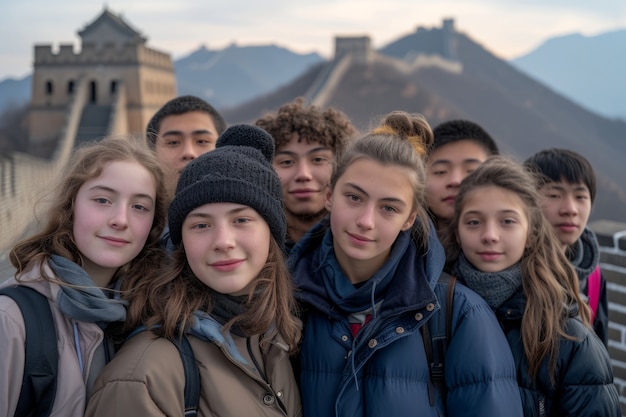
(367, 280)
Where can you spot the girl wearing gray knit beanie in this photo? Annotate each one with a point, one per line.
(227, 290)
(502, 247)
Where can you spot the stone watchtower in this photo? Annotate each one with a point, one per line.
(112, 86)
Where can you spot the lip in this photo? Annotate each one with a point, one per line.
(303, 192)
(449, 199)
(358, 239)
(567, 227)
(115, 241)
(489, 256)
(226, 265)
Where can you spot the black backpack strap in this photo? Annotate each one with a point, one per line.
(192, 376)
(41, 360)
(436, 335)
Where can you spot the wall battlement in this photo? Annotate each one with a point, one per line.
(109, 54)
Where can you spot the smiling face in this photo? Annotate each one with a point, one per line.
(304, 170)
(567, 207)
(226, 245)
(369, 206)
(113, 215)
(493, 228)
(447, 166)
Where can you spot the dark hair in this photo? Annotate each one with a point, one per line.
(331, 128)
(458, 130)
(548, 279)
(182, 105)
(401, 139)
(57, 235)
(563, 164)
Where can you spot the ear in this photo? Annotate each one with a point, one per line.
(329, 199)
(409, 222)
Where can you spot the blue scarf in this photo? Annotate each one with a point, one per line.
(82, 300)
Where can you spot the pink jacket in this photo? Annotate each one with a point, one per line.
(71, 395)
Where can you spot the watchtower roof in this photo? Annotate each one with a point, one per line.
(111, 21)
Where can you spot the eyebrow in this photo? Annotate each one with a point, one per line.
(388, 199)
(559, 187)
(203, 215)
(112, 191)
(314, 150)
(179, 132)
(475, 212)
(448, 162)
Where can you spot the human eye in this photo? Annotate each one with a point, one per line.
(389, 209)
(140, 207)
(285, 163)
(471, 222)
(508, 221)
(319, 160)
(199, 226)
(353, 198)
(102, 200)
(242, 220)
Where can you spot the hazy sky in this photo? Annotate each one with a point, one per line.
(508, 28)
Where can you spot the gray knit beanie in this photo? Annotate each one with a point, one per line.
(239, 170)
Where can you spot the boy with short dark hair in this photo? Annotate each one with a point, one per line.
(459, 147)
(181, 130)
(568, 184)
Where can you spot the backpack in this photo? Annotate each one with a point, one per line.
(436, 335)
(593, 291)
(41, 359)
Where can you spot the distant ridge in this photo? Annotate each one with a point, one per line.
(523, 115)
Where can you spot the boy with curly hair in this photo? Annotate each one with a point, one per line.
(307, 141)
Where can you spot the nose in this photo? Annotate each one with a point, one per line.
(189, 151)
(568, 206)
(490, 233)
(224, 239)
(119, 220)
(366, 218)
(304, 172)
(455, 178)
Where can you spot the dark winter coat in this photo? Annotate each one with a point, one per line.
(383, 371)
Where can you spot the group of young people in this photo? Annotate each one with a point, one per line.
(303, 269)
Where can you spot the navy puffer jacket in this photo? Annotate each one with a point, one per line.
(383, 371)
(584, 377)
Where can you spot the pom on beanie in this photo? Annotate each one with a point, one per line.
(240, 171)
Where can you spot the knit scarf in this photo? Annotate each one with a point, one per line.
(82, 300)
(584, 256)
(226, 306)
(493, 287)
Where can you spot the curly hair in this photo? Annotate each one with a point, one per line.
(182, 105)
(330, 128)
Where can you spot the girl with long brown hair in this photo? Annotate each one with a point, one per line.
(228, 290)
(101, 234)
(500, 245)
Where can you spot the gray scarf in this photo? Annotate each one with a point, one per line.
(493, 287)
(82, 300)
(584, 256)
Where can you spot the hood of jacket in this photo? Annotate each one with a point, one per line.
(414, 274)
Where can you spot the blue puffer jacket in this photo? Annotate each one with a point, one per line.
(383, 371)
(584, 378)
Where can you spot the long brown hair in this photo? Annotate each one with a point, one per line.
(57, 237)
(401, 139)
(166, 301)
(548, 280)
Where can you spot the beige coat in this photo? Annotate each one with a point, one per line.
(70, 399)
(146, 378)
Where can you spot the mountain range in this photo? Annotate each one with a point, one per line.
(522, 114)
(587, 69)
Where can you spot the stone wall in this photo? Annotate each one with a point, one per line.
(612, 240)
